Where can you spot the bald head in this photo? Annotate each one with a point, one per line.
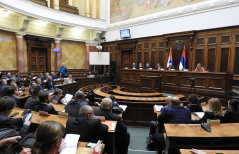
(106, 103)
(175, 101)
(86, 111)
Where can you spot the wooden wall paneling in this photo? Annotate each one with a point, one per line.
(199, 56)
(211, 59)
(224, 59)
(236, 64)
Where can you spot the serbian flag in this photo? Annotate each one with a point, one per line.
(182, 64)
(170, 58)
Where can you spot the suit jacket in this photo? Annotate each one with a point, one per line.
(46, 108)
(230, 116)
(6, 122)
(195, 108)
(73, 107)
(38, 85)
(5, 91)
(90, 130)
(175, 114)
(31, 102)
(50, 84)
(55, 98)
(120, 127)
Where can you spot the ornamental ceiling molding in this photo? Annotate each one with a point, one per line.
(192, 9)
(34, 10)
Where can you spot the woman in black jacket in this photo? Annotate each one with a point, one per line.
(231, 116)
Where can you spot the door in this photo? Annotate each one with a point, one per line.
(38, 59)
(127, 58)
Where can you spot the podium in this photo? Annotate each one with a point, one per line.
(150, 83)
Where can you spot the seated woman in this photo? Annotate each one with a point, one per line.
(69, 79)
(231, 116)
(214, 112)
(199, 68)
(56, 96)
(194, 105)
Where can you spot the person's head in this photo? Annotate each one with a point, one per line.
(86, 111)
(147, 64)
(168, 100)
(140, 64)
(49, 78)
(11, 83)
(52, 73)
(193, 99)
(33, 84)
(58, 93)
(3, 82)
(69, 76)
(36, 91)
(79, 95)
(112, 97)
(40, 75)
(6, 105)
(106, 103)
(47, 74)
(233, 104)
(199, 66)
(38, 80)
(8, 74)
(13, 91)
(158, 65)
(48, 137)
(215, 106)
(44, 97)
(170, 65)
(133, 64)
(30, 74)
(175, 101)
(17, 73)
(63, 65)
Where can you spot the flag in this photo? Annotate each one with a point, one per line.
(182, 64)
(170, 58)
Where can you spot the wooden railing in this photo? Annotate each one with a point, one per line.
(41, 2)
(68, 8)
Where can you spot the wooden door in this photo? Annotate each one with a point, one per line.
(127, 58)
(38, 60)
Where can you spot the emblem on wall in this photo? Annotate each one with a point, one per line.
(179, 45)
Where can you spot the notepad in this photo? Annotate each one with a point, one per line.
(123, 107)
(158, 107)
(71, 141)
(67, 98)
(110, 124)
(200, 114)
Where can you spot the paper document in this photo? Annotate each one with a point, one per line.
(71, 141)
(158, 107)
(110, 124)
(123, 107)
(67, 98)
(200, 114)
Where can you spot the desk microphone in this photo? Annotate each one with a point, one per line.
(206, 126)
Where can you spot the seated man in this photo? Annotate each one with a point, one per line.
(14, 94)
(147, 66)
(33, 100)
(199, 68)
(114, 103)
(174, 114)
(8, 76)
(32, 86)
(122, 135)
(6, 106)
(16, 76)
(49, 83)
(56, 96)
(170, 67)
(38, 81)
(168, 103)
(194, 105)
(73, 107)
(3, 83)
(134, 66)
(53, 76)
(159, 67)
(41, 77)
(90, 130)
(44, 105)
(69, 79)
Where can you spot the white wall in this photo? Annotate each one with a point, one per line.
(220, 17)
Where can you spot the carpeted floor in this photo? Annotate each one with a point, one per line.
(138, 140)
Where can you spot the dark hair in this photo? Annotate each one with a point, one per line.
(193, 99)
(36, 91)
(43, 96)
(47, 133)
(11, 90)
(6, 103)
(234, 103)
(112, 97)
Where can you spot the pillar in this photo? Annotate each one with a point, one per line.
(56, 4)
(20, 53)
(57, 55)
(87, 53)
(88, 8)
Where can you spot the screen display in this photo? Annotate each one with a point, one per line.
(125, 33)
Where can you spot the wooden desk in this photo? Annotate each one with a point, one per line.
(119, 91)
(193, 136)
(207, 83)
(187, 151)
(59, 107)
(83, 149)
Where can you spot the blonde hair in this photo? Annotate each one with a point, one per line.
(46, 135)
(215, 106)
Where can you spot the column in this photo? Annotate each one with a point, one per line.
(57, 55)
(87, 53)
(56, 4)
(88, 8)
(20, 53)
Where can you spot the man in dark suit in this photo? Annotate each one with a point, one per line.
(170, 67)
(73, 107)
(44, 105)
(174, 114)
(122, 135)
(49, 83)
(3, 83)
(38, 81)
(134, 66)
(90, 130)
(6, 106)
(33, 100)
